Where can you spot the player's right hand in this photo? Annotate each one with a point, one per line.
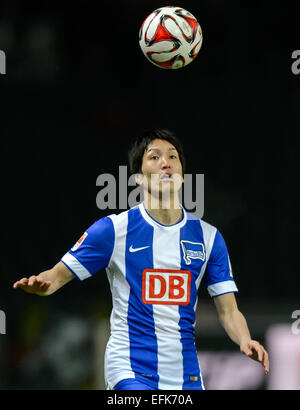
(33, 285)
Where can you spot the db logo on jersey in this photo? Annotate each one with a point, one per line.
(166, 287)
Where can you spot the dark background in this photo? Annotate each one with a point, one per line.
(77, 91)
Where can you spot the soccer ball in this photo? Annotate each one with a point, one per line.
(170, 37)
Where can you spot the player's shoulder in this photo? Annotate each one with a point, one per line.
(121, 215)
(101, 225)
(121, 219)
(206, 226)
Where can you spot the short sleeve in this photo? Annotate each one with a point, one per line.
(93, 250)
(218, 275)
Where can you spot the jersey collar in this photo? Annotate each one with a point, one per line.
(156, 224)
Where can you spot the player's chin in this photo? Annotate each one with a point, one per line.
(167, 189)
(172, 188)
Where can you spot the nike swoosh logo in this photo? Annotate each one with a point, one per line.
(131, 249)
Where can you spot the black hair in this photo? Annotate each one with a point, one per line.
(137, 149)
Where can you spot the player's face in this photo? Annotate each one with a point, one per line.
(161, 167)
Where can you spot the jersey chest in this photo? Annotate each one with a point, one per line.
(163, 266)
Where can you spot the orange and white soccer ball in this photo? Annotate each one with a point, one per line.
(170, 37)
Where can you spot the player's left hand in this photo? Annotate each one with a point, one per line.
(256, 351)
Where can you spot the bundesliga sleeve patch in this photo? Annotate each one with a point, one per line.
(79, 242)
(166, 287)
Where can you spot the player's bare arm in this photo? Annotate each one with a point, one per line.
(46, 282)
(236, 327)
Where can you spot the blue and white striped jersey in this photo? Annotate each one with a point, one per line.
(154, 273)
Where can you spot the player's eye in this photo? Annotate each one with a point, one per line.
(173, 156)
(154, 157)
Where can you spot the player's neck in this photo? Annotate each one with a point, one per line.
(166, 213)
(166, 216)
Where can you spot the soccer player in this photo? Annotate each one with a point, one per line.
(156, 255)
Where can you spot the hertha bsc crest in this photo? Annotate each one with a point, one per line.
(192, 250)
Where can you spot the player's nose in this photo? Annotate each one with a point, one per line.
(165, 162)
